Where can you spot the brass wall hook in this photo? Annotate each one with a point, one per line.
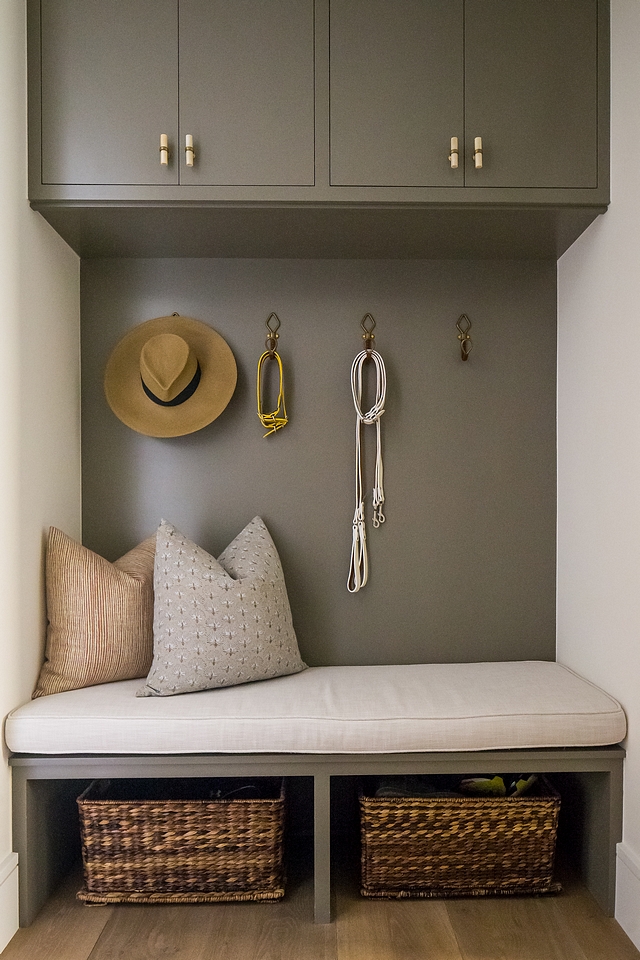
(273, 420)
(272, 339)
(368, 325)
(466, 343)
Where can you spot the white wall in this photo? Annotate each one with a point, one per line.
(39, 412)
(599, 443)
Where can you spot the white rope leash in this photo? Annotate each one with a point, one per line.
(359, 567)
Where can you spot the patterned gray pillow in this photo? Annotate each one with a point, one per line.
(219, 622)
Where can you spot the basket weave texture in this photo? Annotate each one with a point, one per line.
(456, 847)
(181, 850)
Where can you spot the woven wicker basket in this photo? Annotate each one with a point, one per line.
(459, 847)
(180, 846)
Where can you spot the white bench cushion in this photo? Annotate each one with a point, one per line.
(372, 709)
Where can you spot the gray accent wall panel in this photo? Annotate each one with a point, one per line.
(464, 567)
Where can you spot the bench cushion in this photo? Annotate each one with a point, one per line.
(369, 709)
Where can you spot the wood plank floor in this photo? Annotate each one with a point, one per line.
(565, 927)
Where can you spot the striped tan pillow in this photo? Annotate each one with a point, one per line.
(100, 615)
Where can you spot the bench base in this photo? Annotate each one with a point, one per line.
(42, 783)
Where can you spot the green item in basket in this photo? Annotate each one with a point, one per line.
(522, 785)
(484, 786)
(519, 784)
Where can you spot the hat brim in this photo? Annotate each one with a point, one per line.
(126, 396)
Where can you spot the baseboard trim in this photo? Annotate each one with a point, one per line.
(628, 892)
(8, 898)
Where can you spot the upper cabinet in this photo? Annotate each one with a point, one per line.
(236, 76)
(109, 88)
(515, 82)
(247, 92)
(531, 93)
(319, 127)
(396, 92)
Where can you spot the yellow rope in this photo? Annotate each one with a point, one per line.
(278, 418)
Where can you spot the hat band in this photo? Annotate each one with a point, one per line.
(188, 391)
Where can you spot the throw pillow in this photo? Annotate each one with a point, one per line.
(100, 615)
(220, 622)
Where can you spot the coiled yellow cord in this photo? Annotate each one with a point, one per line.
(277, 419)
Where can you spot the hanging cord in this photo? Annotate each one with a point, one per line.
(359, 567)
(277, 419)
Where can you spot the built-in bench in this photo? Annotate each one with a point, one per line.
(529, 717)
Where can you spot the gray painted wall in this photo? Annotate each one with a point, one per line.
(464, 568)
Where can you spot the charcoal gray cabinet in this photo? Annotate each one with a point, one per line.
(520, 74)
(247, 91)
(320, 127)
(109, 89)
(531, 93)
(235, 75)
(396, 92)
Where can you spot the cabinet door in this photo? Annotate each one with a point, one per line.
(531, 92)
(247, 91)
(109, 90)
(396, 92)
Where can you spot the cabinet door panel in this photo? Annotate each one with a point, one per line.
(247, 91)
(109, 90)
(531, 92)
(396, 88)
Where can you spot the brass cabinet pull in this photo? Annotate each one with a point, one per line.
(455, 153)
(189, 152)
(477, 152)
(164, 150)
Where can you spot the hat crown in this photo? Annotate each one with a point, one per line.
(167, 365)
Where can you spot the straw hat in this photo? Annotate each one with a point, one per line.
(170, 376)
